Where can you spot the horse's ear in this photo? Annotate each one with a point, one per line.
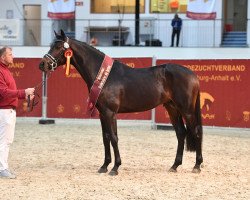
(56, 34)
(63, 34)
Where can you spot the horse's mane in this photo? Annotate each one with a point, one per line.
(94, 49)
(89, 46)
(77, 41)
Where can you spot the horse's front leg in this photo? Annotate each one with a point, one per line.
(114, 142)
(106, 143)
(109, 125)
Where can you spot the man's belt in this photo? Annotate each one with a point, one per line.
(8, 107)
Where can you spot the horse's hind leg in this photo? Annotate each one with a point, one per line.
(194, 139)
(180, 130)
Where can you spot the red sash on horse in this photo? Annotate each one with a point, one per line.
(98, 84)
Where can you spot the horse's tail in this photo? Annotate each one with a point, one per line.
(195, 132)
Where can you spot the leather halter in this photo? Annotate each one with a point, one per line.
(53, 61)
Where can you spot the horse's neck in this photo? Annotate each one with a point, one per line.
(87, 62)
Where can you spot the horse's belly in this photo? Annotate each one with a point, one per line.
(138, 105)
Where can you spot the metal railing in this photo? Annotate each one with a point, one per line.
(114, 32)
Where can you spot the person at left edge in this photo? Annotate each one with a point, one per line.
(9, 95)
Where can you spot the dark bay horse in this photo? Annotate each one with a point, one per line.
(133, 90)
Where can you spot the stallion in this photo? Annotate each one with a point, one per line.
(129, 90)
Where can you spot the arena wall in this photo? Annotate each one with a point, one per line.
(223, 75)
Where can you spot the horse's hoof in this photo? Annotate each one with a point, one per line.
(196, 170)
(172, 170)
(113, 173)
(102, 170)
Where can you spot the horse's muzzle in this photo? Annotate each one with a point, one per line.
(44, 65)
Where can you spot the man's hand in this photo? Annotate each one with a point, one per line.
(30, 91)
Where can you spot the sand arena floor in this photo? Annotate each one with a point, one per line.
(60, 161)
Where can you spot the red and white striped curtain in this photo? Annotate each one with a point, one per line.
(61, 9)
(201, 9)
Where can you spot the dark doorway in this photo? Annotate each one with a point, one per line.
(235, 15)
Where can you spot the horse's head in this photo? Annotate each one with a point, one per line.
(55, 57)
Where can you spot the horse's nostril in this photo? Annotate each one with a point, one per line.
(41, 66)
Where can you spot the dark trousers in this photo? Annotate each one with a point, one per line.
(177, 33)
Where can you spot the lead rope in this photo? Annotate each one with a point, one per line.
(32, 103)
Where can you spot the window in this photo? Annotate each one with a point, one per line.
(115, 6)
(168, 6)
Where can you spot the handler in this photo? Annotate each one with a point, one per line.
(9, 95)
